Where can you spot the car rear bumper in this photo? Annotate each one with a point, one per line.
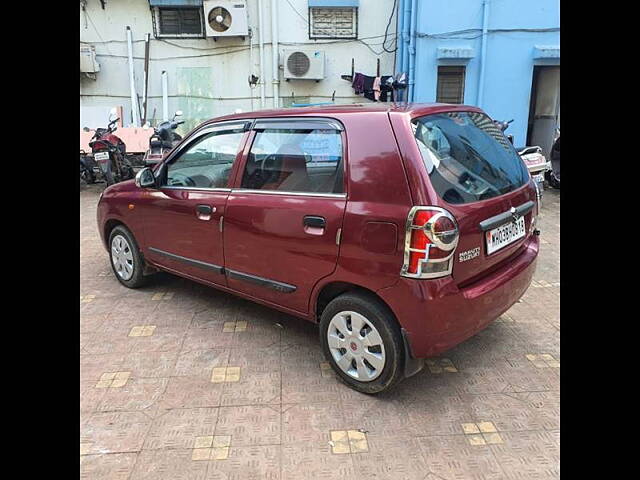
(438, 315)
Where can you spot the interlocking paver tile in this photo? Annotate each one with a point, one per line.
(315, 460)
(182, 428)
(225, 374)
(191, 392)
(250, 425)
(168, 464)
(114, 466)
(150, 364)
(528, 455)
(454, 457)
(483, 410)
(200, 362)
(256, 462)
(114, 432)
(138, 394)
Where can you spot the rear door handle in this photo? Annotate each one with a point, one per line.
(205, 209)
(314, 221)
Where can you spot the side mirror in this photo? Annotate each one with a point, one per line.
(177, 114)
(113, 114)
(145, 178)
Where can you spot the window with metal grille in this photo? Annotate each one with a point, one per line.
(178, 22)
(325, 22)
(450, 84)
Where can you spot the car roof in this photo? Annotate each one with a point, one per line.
(411, 109)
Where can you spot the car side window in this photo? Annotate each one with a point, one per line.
(295, 160)
(207, 162)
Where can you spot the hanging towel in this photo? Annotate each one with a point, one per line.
(376, 89)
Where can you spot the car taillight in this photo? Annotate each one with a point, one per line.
(431, 237)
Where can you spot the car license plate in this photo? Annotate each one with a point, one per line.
(101, 156)
(504, 235)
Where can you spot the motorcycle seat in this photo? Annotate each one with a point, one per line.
(160, 144)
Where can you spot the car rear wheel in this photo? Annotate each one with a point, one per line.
(361, 340)
(126, 259)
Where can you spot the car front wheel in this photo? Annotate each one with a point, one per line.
(126, 259)
(361, 339)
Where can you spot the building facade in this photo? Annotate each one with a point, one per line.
(208, 76)
(502, 55)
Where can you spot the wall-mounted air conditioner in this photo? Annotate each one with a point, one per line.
(226, 18)
(304, 65)
(88, 63)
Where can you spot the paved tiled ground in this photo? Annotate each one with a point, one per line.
(179, 381)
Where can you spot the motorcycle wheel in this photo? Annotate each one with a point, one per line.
(108, 177)
(87, 176)
(552, 180)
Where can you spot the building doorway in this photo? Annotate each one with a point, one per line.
(544, 107)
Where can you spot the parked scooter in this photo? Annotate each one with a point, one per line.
(531, 156)
(109, 152)
(164, 138)
(553, 176)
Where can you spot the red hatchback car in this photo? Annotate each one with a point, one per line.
(401, 230)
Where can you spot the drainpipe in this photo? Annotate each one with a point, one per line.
(165, 96)
(400, 36)
(132, 84)
(261, 45)
(483, 51)
(412, 50)
(406, 19)
(274, 52)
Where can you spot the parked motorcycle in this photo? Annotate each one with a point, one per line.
(109, 152)
(503, 126)
(87, 175)
(553, 175)
(164, 138)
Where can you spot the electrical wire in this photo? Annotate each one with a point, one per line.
(306, 20)
(386, 30)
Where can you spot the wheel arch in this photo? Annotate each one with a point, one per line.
(331, 290)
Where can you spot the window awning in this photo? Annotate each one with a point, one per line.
(546, 51)
(334, 3)
(175, 3)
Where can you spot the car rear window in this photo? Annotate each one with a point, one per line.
(467, 156)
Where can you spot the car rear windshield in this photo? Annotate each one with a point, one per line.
(467, 156)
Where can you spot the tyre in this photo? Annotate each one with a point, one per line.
(86, 175)
(126, 259)
(552, 180)
(362, 341)
(108, 177)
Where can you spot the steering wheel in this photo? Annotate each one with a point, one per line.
(180, 179)
(267, 164)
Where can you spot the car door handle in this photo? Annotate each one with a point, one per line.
(314, 221)
(205, 209)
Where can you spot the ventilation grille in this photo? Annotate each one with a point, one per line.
(298, 64)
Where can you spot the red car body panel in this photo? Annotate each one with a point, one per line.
(385, 177)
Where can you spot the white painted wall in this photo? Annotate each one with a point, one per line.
(222, 86)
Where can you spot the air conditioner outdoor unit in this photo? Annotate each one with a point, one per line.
(88, 63)
(301, 65)
(226, 18)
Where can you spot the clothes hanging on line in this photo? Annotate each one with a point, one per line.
(358, 83)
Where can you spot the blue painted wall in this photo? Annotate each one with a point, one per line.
(510, 56)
